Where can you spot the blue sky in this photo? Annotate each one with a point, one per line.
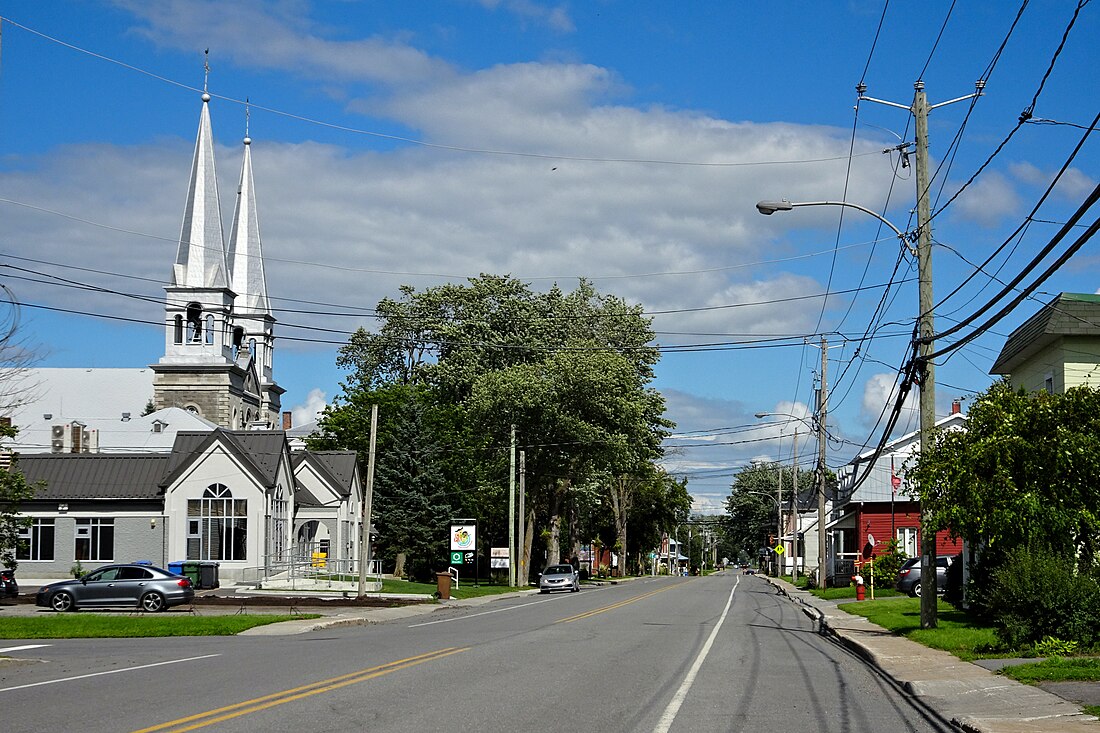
(626, 142)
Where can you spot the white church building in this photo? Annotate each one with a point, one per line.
(187, 459)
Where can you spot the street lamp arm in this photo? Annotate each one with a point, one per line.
(770, 207)
(761, 493)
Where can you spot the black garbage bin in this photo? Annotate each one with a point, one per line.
(208, 575)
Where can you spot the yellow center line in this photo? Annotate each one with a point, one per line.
(236, 710)
(613, 606)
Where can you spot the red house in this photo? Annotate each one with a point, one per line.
(865, 517)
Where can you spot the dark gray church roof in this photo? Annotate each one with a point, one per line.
(338, 466)
(260, 450)
(95, 475)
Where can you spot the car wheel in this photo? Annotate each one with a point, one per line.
(915, 590)
(62, 601)
(153, 602)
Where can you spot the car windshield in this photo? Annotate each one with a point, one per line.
(559, 570)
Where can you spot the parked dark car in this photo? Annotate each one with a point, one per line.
(9, 588)
(559, 577)
(909, 576)
(118, 586)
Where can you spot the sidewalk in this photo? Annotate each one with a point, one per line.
(970, 696)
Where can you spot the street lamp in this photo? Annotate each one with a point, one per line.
(922, 253)
(767, 208)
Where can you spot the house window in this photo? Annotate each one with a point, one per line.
(907, 540)
(1048, 384)
(36, 541)
(95, 539)
(277, 543)
(217, 525)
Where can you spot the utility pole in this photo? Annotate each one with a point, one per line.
(521, 543)
(794, 507)
(925, 367)
(822, 412)
(779, 510)
(512, 512)
(368, 500)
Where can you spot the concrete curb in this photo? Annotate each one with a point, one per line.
(971, 697)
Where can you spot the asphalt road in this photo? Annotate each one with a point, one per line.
(720, 653)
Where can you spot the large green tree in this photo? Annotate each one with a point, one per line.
(569, 369)
(1023, 472)
(751, 508)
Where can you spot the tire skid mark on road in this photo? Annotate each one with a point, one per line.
(228, 712)
(613, 606)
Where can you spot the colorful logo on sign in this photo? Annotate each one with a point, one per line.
(463, 538)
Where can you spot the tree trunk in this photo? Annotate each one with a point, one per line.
(525, 551)
(621, 495)
(553, 551)
(399, 567)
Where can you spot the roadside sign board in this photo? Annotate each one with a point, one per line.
(779, 549)
(498, 558)
(463, 537)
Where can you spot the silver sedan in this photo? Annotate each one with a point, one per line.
(146, 587)
(559, 577)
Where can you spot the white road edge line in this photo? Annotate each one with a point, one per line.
(111, 671)
(665, 723)
(22, 648)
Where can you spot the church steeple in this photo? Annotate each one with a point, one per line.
(200, 259)
(253, 324)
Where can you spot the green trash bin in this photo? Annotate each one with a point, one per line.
(192, 570)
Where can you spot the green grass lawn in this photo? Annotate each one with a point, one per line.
(955, 631)
(92, 625)
(1056, 669)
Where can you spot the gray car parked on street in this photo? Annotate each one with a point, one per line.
(145, 587)
(909, 577)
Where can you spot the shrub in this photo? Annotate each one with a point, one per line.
(888, 564)
(1051, 647)
(1039, 594)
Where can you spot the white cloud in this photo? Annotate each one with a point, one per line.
(1072, 186)
(879, 393)
(555, 17)
(279, 36)
(989, 200)
(309, 410)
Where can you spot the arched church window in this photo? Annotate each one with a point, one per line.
(209, 328)
(252, 346)
(217, 525)
(238, 340)
(194, 323)
(177, 329)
